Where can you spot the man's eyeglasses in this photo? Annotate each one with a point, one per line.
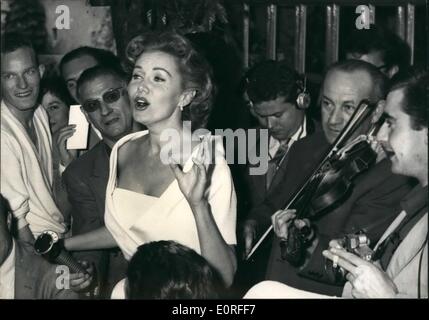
(383, 68)
(110, 96)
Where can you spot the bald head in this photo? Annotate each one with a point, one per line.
(345, 85)
(379, 81)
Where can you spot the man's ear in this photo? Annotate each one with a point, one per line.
(249, 104)
(379, 109)
(252, 111)
(187, 97)
(42, 70)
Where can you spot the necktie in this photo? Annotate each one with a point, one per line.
(274, 163)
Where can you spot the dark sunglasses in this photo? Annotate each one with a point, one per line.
(110, 96)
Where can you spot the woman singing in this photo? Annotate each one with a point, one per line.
(148, 197)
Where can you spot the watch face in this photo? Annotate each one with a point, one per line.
(45, 241)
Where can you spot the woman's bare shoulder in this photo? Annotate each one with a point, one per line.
(131, 148)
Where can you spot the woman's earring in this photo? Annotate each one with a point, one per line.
(181, 107)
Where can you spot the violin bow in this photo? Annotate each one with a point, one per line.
(362, 111)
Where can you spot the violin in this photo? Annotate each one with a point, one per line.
(331, 182)
(337, 179)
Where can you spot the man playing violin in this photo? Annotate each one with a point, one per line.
(400, 267)
(373, 202)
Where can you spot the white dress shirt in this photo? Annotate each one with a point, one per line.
(274, 148)
(274, 144)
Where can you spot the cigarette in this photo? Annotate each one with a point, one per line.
(335, 261)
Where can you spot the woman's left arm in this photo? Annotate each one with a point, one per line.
(212, 215)
(213, 246)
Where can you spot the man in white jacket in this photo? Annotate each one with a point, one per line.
(26, 143)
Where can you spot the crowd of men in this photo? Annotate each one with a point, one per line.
(386, 203)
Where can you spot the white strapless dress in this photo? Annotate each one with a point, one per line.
(134, 218)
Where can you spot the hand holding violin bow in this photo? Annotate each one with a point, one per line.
(329, 183)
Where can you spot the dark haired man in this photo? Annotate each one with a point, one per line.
(103, 93)
(72, 65)
(373, 201)
(380, 47)
(271, 89)
(402, 251)
(80, 59)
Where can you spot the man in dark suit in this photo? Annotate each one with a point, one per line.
(272, 89)
(373, 202)
(105, 102)
(23, 274)
(71, 66)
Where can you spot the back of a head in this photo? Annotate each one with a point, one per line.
(415, 87)
(169, 270)
(379, 80)
(103, 57)
(394, 51)
(270, 79)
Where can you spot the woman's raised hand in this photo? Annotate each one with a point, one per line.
(193, 183)
(66, 155)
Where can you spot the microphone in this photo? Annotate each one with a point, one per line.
(49, 246)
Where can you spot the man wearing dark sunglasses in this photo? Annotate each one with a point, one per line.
(71, 66)
(103, 95)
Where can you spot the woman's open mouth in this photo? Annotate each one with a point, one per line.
(141, 103)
